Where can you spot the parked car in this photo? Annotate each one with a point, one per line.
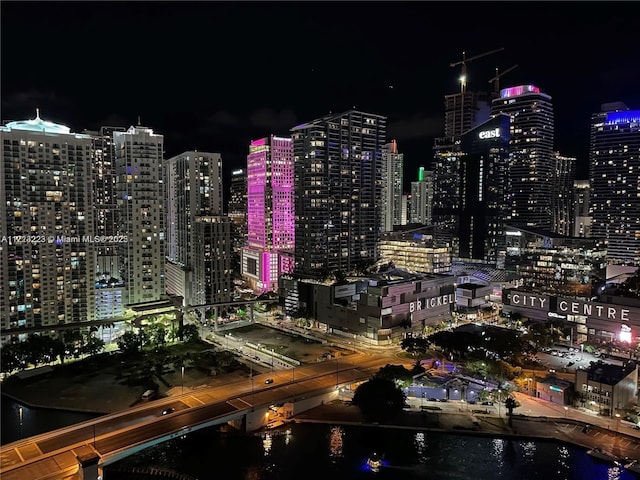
(268, 381)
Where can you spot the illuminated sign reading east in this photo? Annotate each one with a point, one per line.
(571, 307)
(495, 133)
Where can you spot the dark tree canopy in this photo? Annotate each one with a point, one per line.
(379, 399)
(395, 372)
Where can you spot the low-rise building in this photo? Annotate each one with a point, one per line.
(381, 308)
(606, 388)
(554, 390)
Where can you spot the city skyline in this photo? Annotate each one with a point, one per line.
(192, 73)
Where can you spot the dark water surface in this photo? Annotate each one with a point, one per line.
(317, 451)
(34, 420)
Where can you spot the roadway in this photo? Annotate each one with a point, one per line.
(56, 451)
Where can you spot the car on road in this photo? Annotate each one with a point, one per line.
(268, 381)
(169, 410)
(490, 404)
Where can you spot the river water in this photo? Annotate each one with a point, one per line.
(319, 451)
(332, 452)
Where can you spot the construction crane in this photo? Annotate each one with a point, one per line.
(496, 79)
(464, 61)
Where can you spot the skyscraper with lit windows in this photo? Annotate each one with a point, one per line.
(614, 170)
(338, 182)
(531, 163)
(140, 197)
(198, 235)
(47, 264)
(270, 213)
(393, 176)
(422, 198)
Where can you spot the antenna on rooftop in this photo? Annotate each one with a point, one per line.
(139, 120)
(37, 114)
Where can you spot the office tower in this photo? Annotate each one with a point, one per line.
(237, 208)
(108, 284)
(562, 196)
(47, 267)
(141, 213)
(614, 166)
(581, 211)
(270, 213)
(483, 191)
(393, 176)
(194, 192)
(531, 166)
(338, 163)
(422, 197)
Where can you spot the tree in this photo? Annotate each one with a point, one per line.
(189, 333)
(415, 345)
(130, 343)
(9, 360)
(510, 404)
(157, 334)
(379, 399)
(93, 345)
(396, 373)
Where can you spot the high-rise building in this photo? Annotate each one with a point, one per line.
(446, 190)
(405, 215)
(338, 183)
(464, 111)
(140, 197)
(109, 286)
(562, 204)
(482, 213)
(614, 166)
(393, 176)
(422, 197)
(47, 247)
(194, 214)
(531, 165)
(212, 279)
(581, 211)
(270, 213)
(237, 208)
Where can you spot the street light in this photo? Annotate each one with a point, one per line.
(499, 398)
(566, 411)
(617, 423)
(182, 379)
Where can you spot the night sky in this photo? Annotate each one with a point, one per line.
(214, 75)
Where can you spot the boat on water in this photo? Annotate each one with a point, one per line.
(374, 462)
(633, 466)
(601, 455)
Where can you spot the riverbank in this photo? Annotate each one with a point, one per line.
(523, 427)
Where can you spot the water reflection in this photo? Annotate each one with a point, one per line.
(419, 441)
(613, 473)
(497, 452)
(528, 451)
(267, 443)
(336, 439)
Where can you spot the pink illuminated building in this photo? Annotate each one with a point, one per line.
(270, 213)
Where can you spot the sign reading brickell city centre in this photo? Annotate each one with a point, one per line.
(569, 306)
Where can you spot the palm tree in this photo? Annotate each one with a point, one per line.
(510, 403)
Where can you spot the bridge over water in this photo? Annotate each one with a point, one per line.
(82, 450)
